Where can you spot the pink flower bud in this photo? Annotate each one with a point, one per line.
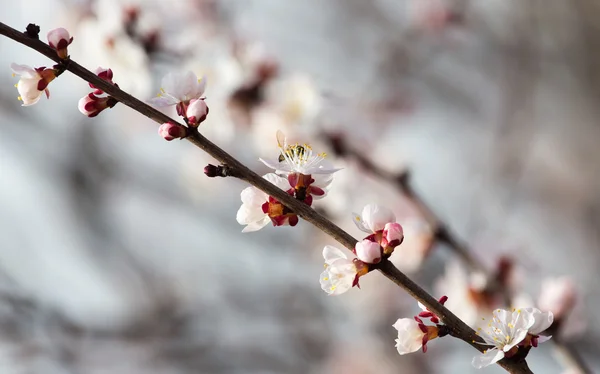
(104, 74)
(91, 105)
(392, 235)
(170, 131)
(368, 251)
(59, 39)
(196, 112)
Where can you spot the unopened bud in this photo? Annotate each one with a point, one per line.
(368, 251)
(104, 74)
(59, 39)
(392, 236)
(91, 105)
(196, 112)
(170, 131)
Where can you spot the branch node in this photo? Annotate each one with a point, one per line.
(33, 31)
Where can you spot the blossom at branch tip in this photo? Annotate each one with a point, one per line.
(196, 112)
(413, 335)
(341, 273)
(368, 251)
(506, 331)
(392, 235)
(170, 131)
(33, 82)
(91, 105)
(179, 89)
(373, 218)
(258, 208)
(59, 39)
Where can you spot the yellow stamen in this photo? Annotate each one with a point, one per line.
(20, 98)
(326, 278)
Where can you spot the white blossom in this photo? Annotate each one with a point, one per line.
(179, 88)
(504, 331)
(410, 336)
(251, 213)
(296, 158)
(340, 272)
(373, 218)
(33, 82)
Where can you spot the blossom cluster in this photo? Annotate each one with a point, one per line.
(300, 172)
(34, 81)
(185, 91)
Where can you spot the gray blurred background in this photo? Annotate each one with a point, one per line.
(118, 255)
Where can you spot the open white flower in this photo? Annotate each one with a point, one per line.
(296, 158)
(251, 213)
(504, 331)
(179, 88)
(410, 336)
(33, 82)
(373, 218)
(340, 272)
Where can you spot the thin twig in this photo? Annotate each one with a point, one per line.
(459, 328)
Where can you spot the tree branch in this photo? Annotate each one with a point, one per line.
(458, 328)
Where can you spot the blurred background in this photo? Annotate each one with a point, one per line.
(119, 256)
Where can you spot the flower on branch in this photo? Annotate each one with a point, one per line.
(179, 89)
(104, 74)
(196, 112)
(368, 251)
(309, 174)
(506, 331)
(33, 82)
(341, 273)
(91, 105)
(170, 131)
(413, 335)
(59, 39)
(258, 208)
(380, 222)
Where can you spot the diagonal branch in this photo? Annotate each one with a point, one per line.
(443, 234)
(457, 327)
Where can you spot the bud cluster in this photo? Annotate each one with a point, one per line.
(93, 103)
(185, 91)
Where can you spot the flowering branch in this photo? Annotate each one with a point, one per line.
(572, 358)
(456, 327)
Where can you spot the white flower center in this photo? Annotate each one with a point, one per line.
(301, 157)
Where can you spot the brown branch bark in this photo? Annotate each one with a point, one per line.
(458, 328)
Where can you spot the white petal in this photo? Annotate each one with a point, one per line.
(360, 223)
(199, 87)
(274, 164)
(542, 320)
(24, 71)
(252, 196)
(257, 225)
(162, 101)
(488, 358)
(423, 307)
(543, 339)
(280, 182)
(376, 216)
(331, 254)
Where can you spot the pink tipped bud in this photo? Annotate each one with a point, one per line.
(392, 235)
(196, 112)
(59, 39)
(170, 131)
(104, 74)
(91, 105)
(368, 251)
